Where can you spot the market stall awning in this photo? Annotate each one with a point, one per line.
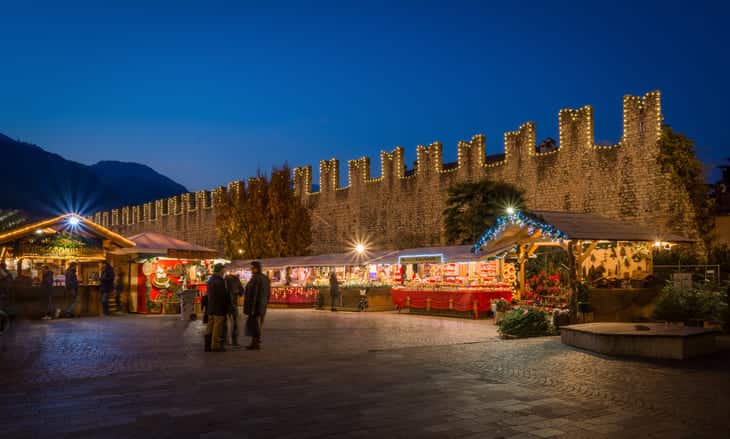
(546, 227)
(326, 260)
(70, 223)
(149, 243)
(459, 253)
(586, 226)
(434, 255)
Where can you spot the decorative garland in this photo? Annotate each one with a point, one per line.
(524, 220)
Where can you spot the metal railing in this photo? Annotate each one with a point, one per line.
(710, 273)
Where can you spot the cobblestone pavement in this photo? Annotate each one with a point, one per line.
(336, 375)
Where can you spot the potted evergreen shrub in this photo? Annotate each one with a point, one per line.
(583, 298)
(525, 322)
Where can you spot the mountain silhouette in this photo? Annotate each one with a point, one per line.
(43, 183)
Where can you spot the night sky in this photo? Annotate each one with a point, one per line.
(207, 92)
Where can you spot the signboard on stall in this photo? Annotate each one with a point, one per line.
(451, 269)
(421, 259)
(488, 268)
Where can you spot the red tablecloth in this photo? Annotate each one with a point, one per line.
(293, 295)
(460, 300)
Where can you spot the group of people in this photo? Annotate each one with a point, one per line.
(221, 307)
(106, 288)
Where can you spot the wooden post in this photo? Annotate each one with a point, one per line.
(522, 260)
(476, 309)
(408, 301)
(428, 304)
(572, 279)
(451, 303)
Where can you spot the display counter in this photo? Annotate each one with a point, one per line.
(293, 297)
(379, 298)
(474, 300)
(32, 301)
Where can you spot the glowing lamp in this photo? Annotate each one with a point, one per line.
(360, 249)
(73, 221)
(510, 210)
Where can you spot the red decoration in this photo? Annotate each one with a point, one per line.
(293, 295)
(461, 300)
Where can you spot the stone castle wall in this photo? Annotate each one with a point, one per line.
(402, 208)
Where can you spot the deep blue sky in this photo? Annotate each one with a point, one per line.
(207, 92)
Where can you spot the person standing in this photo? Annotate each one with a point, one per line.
(119, 287)
(5, 276)
(219, 303)
(107, 285)
(235, 290)
(258, 290)
(334, 289)
(72, 287)
(47, 285)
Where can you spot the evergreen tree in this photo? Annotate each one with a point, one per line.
(473, 207)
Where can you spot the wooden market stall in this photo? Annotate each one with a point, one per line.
(429, 279)
(613, 257)
(160, 267)
(451, 280)
(298, 281)
(56, 242)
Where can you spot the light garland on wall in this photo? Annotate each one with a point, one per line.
(469, 154)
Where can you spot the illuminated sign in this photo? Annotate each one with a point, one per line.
(421, 259)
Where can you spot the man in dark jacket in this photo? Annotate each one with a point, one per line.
(235, 290)
(219, 303)
(107, 285)
(255, 302)
(72, 288)
(47, 285)
(334, 290)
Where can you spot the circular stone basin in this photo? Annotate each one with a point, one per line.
(651, 340)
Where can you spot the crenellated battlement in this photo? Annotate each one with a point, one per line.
(576, 133)
(620, 181)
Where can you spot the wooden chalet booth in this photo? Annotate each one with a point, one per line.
(297, 281)
(159, 268)
(613, 258)
(56, 242)
(448, 281)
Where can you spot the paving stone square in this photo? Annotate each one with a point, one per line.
(350, 375)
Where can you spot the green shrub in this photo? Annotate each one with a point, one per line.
(704, 302)
(526, 322)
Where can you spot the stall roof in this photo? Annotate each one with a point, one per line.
(69, 222)
(588, 226)
(454, 253)
(326, 260)
(459, 253)
(510, 230)
(157, 243)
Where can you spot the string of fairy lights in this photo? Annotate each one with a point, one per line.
(392, 163)
(522, 220)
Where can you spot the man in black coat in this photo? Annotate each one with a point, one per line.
(47, 285)
(106, 285)
(72, 288)
(258, 290)
(235, 290)
(334, 290)
(219, 303)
